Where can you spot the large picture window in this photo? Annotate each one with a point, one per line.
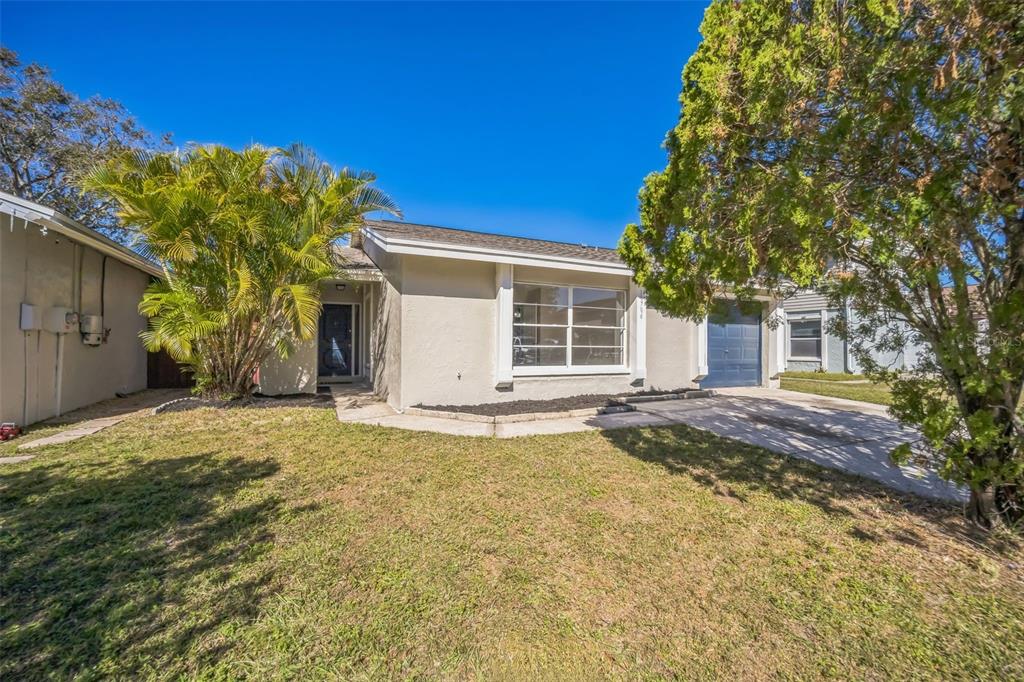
(805, 338)
(554, 326)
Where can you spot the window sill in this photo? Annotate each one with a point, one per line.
(568, 371)
(799, 359)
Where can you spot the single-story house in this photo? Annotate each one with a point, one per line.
(69, 320)
(433, 315)
(426, 315)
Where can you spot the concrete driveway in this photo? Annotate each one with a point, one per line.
(841, 434)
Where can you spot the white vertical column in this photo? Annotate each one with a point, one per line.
(824, 340)
(702, 348)
(637, 327)
(503, 310)
(780, 335)
(366, 333)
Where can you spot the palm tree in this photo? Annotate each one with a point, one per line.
(244, 237)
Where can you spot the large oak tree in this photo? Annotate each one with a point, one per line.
(872, 150)
(50, 138)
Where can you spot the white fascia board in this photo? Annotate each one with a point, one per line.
(414, 247)
(72, 229)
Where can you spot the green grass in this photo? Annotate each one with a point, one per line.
(824, 376)
(869, 393)
(278, 543)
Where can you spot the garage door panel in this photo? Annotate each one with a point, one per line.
(734, 350)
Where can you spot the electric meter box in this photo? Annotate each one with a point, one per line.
(31, 318)
(60, 320)
(92, 330)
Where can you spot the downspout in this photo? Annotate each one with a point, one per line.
(76, 282)
(60, 369)
(846, 342)
(103, 290)
(24, 297)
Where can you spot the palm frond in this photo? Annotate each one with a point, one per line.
(244, 238)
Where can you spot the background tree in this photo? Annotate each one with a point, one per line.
(244, 238)
(49, 139)
(873, 150)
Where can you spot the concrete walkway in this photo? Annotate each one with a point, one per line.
(841, 434)
(86, 428)
(88, 420)
(358, 407)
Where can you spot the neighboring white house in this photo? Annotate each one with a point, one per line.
(69, 320)
(809, 346)
(434, 315)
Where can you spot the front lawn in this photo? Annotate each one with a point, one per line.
(851, 389)
(280, 543)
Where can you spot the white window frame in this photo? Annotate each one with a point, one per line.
(568, 367)
(805, 316)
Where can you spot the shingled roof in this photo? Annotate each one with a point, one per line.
(353, 264)
(350, 258)
(488, 240)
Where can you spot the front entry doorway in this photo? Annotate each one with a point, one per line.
(338, 344)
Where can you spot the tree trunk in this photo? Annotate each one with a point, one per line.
(981, 507)
(993, 506)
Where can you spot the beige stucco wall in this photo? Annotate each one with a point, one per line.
(524, 273)
(448, 350)
(294, 374)
(385, 328)
(42, 270)
(671, 352)
(433, 338)
(448, 331)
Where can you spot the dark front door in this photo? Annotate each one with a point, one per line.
(338, 349)
(734, 350)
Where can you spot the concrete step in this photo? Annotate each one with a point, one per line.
(685, 395)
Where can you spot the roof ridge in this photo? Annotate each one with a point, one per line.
(371, 222)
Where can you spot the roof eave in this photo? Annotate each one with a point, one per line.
(418, 247)
(72, 229)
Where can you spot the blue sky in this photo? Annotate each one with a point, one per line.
(529, 118)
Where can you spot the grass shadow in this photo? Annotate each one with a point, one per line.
(137, 558)
(727, 467)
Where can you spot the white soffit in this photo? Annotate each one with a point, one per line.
(72, 229)
(414, 247)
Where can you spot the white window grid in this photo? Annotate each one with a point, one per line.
(569, 326)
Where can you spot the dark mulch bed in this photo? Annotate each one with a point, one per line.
(257, 401)
(576, 402)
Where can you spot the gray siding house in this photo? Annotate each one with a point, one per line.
(810, 347)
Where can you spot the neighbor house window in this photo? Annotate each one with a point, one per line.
(555, 326)
(805, 338)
